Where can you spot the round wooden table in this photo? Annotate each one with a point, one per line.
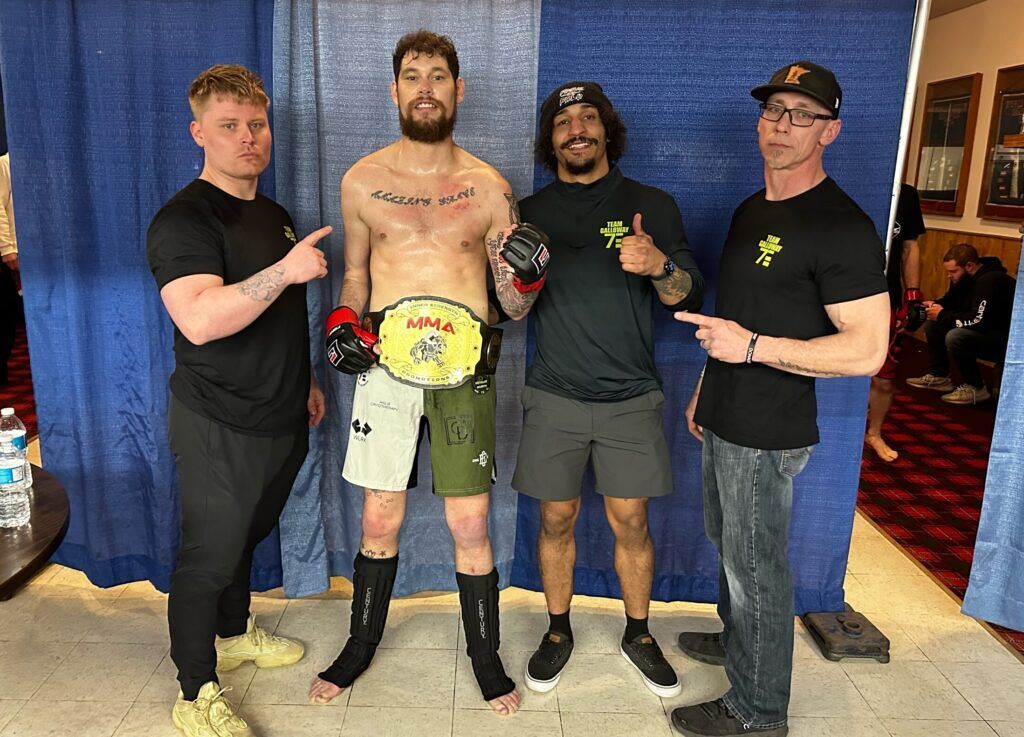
(24, 550)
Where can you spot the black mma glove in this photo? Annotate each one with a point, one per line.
(526, 251)
(349, 346)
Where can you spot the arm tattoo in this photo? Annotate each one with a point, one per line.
(807, 370)
(512, 300)
(676, 286)
(376, 554)
(513, 209)
(264, 286)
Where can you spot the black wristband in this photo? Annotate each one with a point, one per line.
(750, 347)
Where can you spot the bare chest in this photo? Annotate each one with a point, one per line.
(445, 217)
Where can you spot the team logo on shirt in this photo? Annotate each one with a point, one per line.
(614, 231)
(290, 234)
(769, 245)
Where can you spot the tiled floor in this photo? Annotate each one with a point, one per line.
(78, 661)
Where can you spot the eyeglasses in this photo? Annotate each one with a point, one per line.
(797, 116)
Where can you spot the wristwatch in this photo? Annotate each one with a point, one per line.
(669, 270)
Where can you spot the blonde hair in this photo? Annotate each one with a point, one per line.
(226, 80)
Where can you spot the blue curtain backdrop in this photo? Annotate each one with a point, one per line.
(681, 74)
(996, 589)
(332, 75)
(99, 122)
(97, 119)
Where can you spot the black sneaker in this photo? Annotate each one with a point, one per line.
(545, 666)
(645, 655)
(706, 647)
(713, 719)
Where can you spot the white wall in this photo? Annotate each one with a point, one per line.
(981, 38)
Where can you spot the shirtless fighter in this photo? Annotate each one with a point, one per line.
(422, 220)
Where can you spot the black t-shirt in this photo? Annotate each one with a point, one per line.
(257, 380)
(783, 261)
(594, 322)
(909, 226)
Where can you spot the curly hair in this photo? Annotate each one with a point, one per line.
(226, 80)
(614, 130)
(429, 43)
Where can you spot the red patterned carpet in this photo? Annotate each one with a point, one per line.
(18, 392)
(929, 499)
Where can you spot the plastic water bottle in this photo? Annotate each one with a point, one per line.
(13, 428)
(14, 503)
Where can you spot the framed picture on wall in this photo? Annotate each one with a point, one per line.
(1002, 191)
(947, 137)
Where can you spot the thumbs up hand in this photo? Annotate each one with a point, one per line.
(638, 254)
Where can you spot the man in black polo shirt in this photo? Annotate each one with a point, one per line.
(232, 278)
(593, 391)
(802, 294)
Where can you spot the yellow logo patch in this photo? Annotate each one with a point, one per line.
(770, 245)
(289, 234)
(614, 231)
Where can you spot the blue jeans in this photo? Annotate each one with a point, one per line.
(748, 496)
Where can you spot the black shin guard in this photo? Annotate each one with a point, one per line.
(478, 597)
(372, 581)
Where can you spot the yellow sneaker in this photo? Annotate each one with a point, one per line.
(259, 646)
(210, 715)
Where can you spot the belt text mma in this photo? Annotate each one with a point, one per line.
(434, 343)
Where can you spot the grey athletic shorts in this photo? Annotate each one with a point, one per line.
(625, 440)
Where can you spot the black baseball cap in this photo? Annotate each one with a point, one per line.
(574, 93)
(807, 78)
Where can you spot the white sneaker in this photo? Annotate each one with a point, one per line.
(931, 381)
(967, 394)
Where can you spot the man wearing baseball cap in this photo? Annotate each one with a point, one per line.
(593, 392)
(801, 295)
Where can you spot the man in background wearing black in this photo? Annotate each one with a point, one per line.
(903, 274)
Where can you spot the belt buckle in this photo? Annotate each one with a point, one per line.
(430, 342)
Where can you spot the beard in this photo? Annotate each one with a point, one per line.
(576, 167)
(428, 131)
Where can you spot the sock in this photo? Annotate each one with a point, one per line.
(478, 598)
(372, 581)
(560, 623)
(635, 628)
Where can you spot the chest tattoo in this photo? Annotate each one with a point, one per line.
(401, 199)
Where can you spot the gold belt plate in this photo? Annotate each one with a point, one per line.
(430, 342)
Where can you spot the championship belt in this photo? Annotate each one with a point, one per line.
(433, 343)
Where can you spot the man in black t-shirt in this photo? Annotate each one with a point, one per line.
(232, 278)
(802, 294)
(903, 275)
(593, 392)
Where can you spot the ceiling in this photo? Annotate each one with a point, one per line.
(942, 7)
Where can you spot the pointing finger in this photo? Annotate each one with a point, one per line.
(695, 318)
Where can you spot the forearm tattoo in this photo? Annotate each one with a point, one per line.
(676, 286)
(807, 370)
(264, 286)
(512, 300)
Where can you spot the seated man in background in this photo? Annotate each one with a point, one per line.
(970, 321)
